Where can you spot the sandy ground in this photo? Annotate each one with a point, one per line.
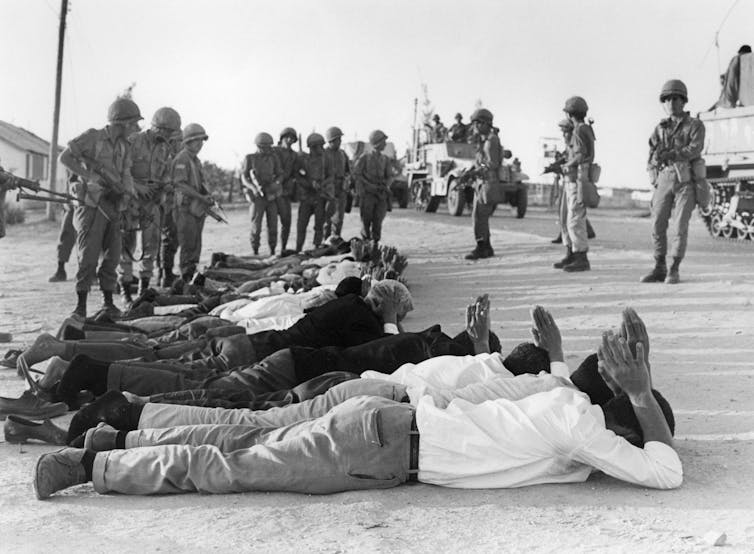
(701, 353)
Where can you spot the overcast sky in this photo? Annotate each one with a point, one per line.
(240, 67)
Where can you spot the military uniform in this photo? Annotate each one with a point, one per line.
(151, 155)
(458, 132)
(190, 213)
(489, 158)
(577, 168)
(373, 175)
(289, 161)
(169, 231)
(264, 170)
(314, 192)
(337, 169)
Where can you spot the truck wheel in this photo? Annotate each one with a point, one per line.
(521, 202)
(456, 199)
(433, 204)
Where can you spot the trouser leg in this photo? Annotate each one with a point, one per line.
(271, 213)
(662, 205)
(143, 379)
(284, 213)
(338, 213)
(319, 220)
(685, 201)
(480, 217)
(256, 213)
(563, 219)
(96, 235)
(125, 267)
(150, 239)
(67, 236)
(190, 240)
(275, 372)
(576, 219)
(169, 244)
(305, 211)
(112, 351)
(380, 211)
(367, 207)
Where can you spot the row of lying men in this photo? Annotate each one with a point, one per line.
(343, 399)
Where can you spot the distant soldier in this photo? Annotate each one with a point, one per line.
(8, 181)
(288, 170)
(100, 159)
(675, 144)
(337, 172)
(151, 154)
(437, 131)
(261, 176)
(458, 131)
(576, 171)
(192, 200)
(373, 174)
(488, 161)
(314, 191)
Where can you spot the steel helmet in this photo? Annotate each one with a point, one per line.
(565, 124)
(482, 114)
(332, 133)
(289, 132)
(459, 116)
(315, 139)
(122, 110)
(576, 104)
(194, 131)
(166, 118)
(263, 139)
(674, 87)
(376, 137)
(436, 117)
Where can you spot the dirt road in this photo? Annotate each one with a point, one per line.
(701, 352)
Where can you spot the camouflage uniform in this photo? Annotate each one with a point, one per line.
(187, 171)
(373, 174)
(337, 170)
(313, 194)
(288, 166)
(264, 170)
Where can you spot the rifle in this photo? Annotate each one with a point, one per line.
(26, 184)
(216, 212)
(557, 165)
(109, 180)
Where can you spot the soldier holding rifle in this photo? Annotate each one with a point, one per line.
(261, 176)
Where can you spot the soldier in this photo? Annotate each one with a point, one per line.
(373, 175)
(458, 131)
(8, 181)
(66, 241)
(288, 166)
(100, 161)
(169, 231)
(337, 171)
(488, 162)
(437, 131)
(151, 154)
(192, 200)
(261, 176)
(314, 191)
(673, 147)
(576, 171)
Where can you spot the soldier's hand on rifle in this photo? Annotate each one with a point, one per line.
(208, 200)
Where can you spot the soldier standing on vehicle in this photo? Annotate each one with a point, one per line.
(314, 191)
(151, 154)
(337, 171)
(488, 161)
(576, 171)
(437, 131)
(192, 200)
(261, 176)
(288, 166)
(373, 175)
(100, 160)
(458, 131)
(675, 144)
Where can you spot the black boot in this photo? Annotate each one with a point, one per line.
(108, 306)
(673, 277)
(478, 253)
(580, 263)
(125, 293)
(80, 309)
(658, 273)
(59, 275)
(558, 239)
(168, 276)
(565, 261)
(143, 285)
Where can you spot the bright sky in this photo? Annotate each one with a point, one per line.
(240, 67)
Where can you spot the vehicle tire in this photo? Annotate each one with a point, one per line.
(521, 203)
(456, 199)
(715, 227)
(433, 204)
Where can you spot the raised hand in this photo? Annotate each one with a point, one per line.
(546, 333)
(633, 330)
(621, 368)
(478, 320)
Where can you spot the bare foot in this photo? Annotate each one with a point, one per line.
(45, 347)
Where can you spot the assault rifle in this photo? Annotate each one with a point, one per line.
(557, 165)
(23, 185)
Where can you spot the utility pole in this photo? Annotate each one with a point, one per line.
(53, 171)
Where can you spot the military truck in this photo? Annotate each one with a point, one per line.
(437, 172)
(399, 187)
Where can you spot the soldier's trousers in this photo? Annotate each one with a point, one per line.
(2, 212)
(480, 218)
(335, 212)
(67, 236)
(257, 210)
(169, 245)
(676, 201)
(372, 209)
(149, 233)
(284, 213)
(190, 230)
(306, 208)
(96, 235)
(573, 225)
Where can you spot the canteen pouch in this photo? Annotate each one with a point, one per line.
(595, 171)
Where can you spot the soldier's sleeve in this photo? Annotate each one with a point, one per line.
(128, 180)
(693, 149)
(358, 170)
(579, 149)
(181, 173)
(494, 152)
(83, 145)
(654, 142)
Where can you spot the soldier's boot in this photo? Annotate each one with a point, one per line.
(80, 309)
(168, 276)
(478, 253)
(590, 234)
(272, 249)
(488, 251)
(580, 263)
(673, 277)
(565, 261)
(143, 285)
(59, 275)
(558, 239)
(658, 273)
(125, 293)
(108, 306)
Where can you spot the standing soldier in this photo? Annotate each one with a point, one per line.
(488, 161)
(288, 167)
(151, 154)
(675, 144)
(192, 200)
(458, 131)
(261, 176)
(337, 171)
(373, 175)
(576, 171)
(100, 159)
(314, 191)
(169, 231)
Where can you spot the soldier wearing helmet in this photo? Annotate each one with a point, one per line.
(192, 199)
(373, 174)
(314, 191)
(261, 176)
(151, 156)
(100, 162)
(675, 148)
(437, 131)
(458, 131)
(289, 164)
(576, 171)
(489, 160)
(337, 173)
